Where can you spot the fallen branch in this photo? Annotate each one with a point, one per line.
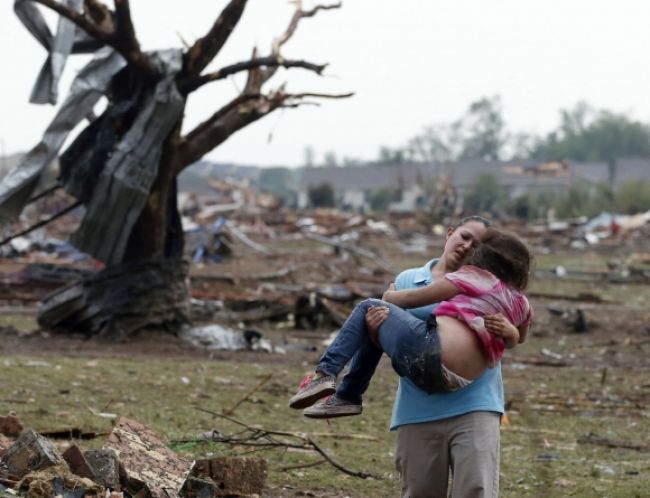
(303, 465)
(248, 394)
(592, 438)
(258, 437)
(336, 435)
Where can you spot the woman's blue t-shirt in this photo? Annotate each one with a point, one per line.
(412, 405)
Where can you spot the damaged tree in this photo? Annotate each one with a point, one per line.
(123, 166)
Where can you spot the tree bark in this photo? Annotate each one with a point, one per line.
(156, 233)
(149, 288)
(121, 300)
(148, 285)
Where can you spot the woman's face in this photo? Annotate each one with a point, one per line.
(460, 241)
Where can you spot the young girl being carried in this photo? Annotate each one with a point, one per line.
(465, 334)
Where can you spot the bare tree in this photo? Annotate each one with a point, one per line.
(123, 165)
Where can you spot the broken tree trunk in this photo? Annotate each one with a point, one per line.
(123, 165)
(121, 300)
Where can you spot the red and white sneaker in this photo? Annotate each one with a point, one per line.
(311, 389)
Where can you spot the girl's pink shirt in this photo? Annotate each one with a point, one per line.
(484, 294)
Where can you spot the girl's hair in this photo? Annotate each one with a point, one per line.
(503, 255)
(486, 223)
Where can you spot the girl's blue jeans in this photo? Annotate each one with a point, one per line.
(412, 345)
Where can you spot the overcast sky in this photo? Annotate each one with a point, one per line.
(411, 63)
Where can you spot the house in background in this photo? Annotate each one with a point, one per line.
(354, 185)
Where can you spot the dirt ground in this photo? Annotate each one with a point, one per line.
(609, 325)
(561, 386)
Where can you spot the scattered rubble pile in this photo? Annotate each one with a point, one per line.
(279, 268)
(133, 462)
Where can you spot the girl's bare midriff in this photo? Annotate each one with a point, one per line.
(461, 349)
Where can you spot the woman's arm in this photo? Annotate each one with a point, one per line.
(440, 290)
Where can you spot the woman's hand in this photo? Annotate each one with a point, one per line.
(499, 325)
(375, 316)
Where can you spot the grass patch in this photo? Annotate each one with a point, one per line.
(540, 455)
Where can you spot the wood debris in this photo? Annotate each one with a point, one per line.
(148, 463)
(133, 463)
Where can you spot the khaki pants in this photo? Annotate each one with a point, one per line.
(467, 444)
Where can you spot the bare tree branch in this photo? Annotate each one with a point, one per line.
(239, 113)
(252, 104)
(224, 72)
(79, 19)
(126, 42)
(121, 38)
(100, 14)
(319, 95)
(291, 29)
(254, 81)
(310, 13)
(207, 47)
(123, 21)
(241, 99)
(124, 25)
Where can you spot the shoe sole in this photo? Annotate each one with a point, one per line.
(307, 398)
(332, 414)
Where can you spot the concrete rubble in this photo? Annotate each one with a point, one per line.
(133, 462)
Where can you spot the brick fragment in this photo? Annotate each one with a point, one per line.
(30, 452)
(105, 467)
(11, 426)
(234, 476)
(77, 462)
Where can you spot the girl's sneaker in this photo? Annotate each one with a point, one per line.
(311, 389)
(332, 407)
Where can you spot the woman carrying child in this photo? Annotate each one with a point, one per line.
(453, 347)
